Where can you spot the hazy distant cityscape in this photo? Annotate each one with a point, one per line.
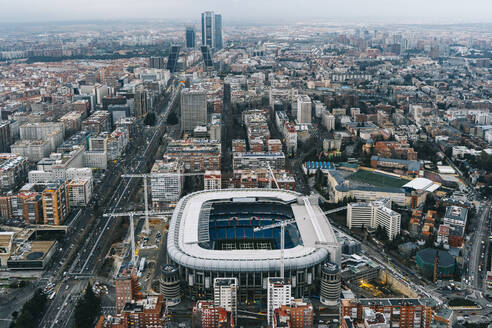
(220, 170)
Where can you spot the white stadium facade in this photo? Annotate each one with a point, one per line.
(211, 234)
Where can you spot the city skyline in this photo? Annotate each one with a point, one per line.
(419, 11)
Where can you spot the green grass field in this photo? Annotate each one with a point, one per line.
(377, 179)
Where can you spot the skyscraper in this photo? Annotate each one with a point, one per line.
(212, 30)
(190, 37)
(193, 109)
(208, 29)
(218, 32)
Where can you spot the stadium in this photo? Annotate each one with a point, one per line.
(211, 234)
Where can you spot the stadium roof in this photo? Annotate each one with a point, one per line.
(422, 184)
(184, 236)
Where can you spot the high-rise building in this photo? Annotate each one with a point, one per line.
(5, 137)
(190, 37)
(212, 30)
(157, 62)
(208, 29)
(304, 109)
(225, 295)
(218, 32)
(172, 59)
(140, 102)
(278, 294)
(193, 109)
(56, 205)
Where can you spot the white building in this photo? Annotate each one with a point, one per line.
(319, 107)
(96, 159)
(166, 182)
(278, 294)
(225, 295)
(304, 109)
(374, 214)
(212, 180)
(290, 135)
(328, 120)
(80, 192)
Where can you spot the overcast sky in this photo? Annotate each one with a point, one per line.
(243, 10)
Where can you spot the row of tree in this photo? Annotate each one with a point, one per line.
(31, 312)
(87, 309)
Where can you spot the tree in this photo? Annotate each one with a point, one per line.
(87, 309)
(31, 311)
(172, 119)
(149, 119)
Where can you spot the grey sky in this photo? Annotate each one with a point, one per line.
(234, 10)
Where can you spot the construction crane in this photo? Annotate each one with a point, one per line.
(273, 176)
(146, 196)
(283, 224)
(132, 226)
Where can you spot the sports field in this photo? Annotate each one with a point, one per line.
(376, 179)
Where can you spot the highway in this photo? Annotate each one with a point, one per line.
(478, 260)
(91, 254)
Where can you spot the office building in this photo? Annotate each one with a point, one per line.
(278, 294)
(166, 182)
(190, 37)
(304, 109)
(218, 32)
(56, 206)
(193, 109)
(225, 295)
(172, 59)
(157, 62)
(140, 99)
(212, 30)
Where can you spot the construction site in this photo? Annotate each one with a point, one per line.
(366, 279)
